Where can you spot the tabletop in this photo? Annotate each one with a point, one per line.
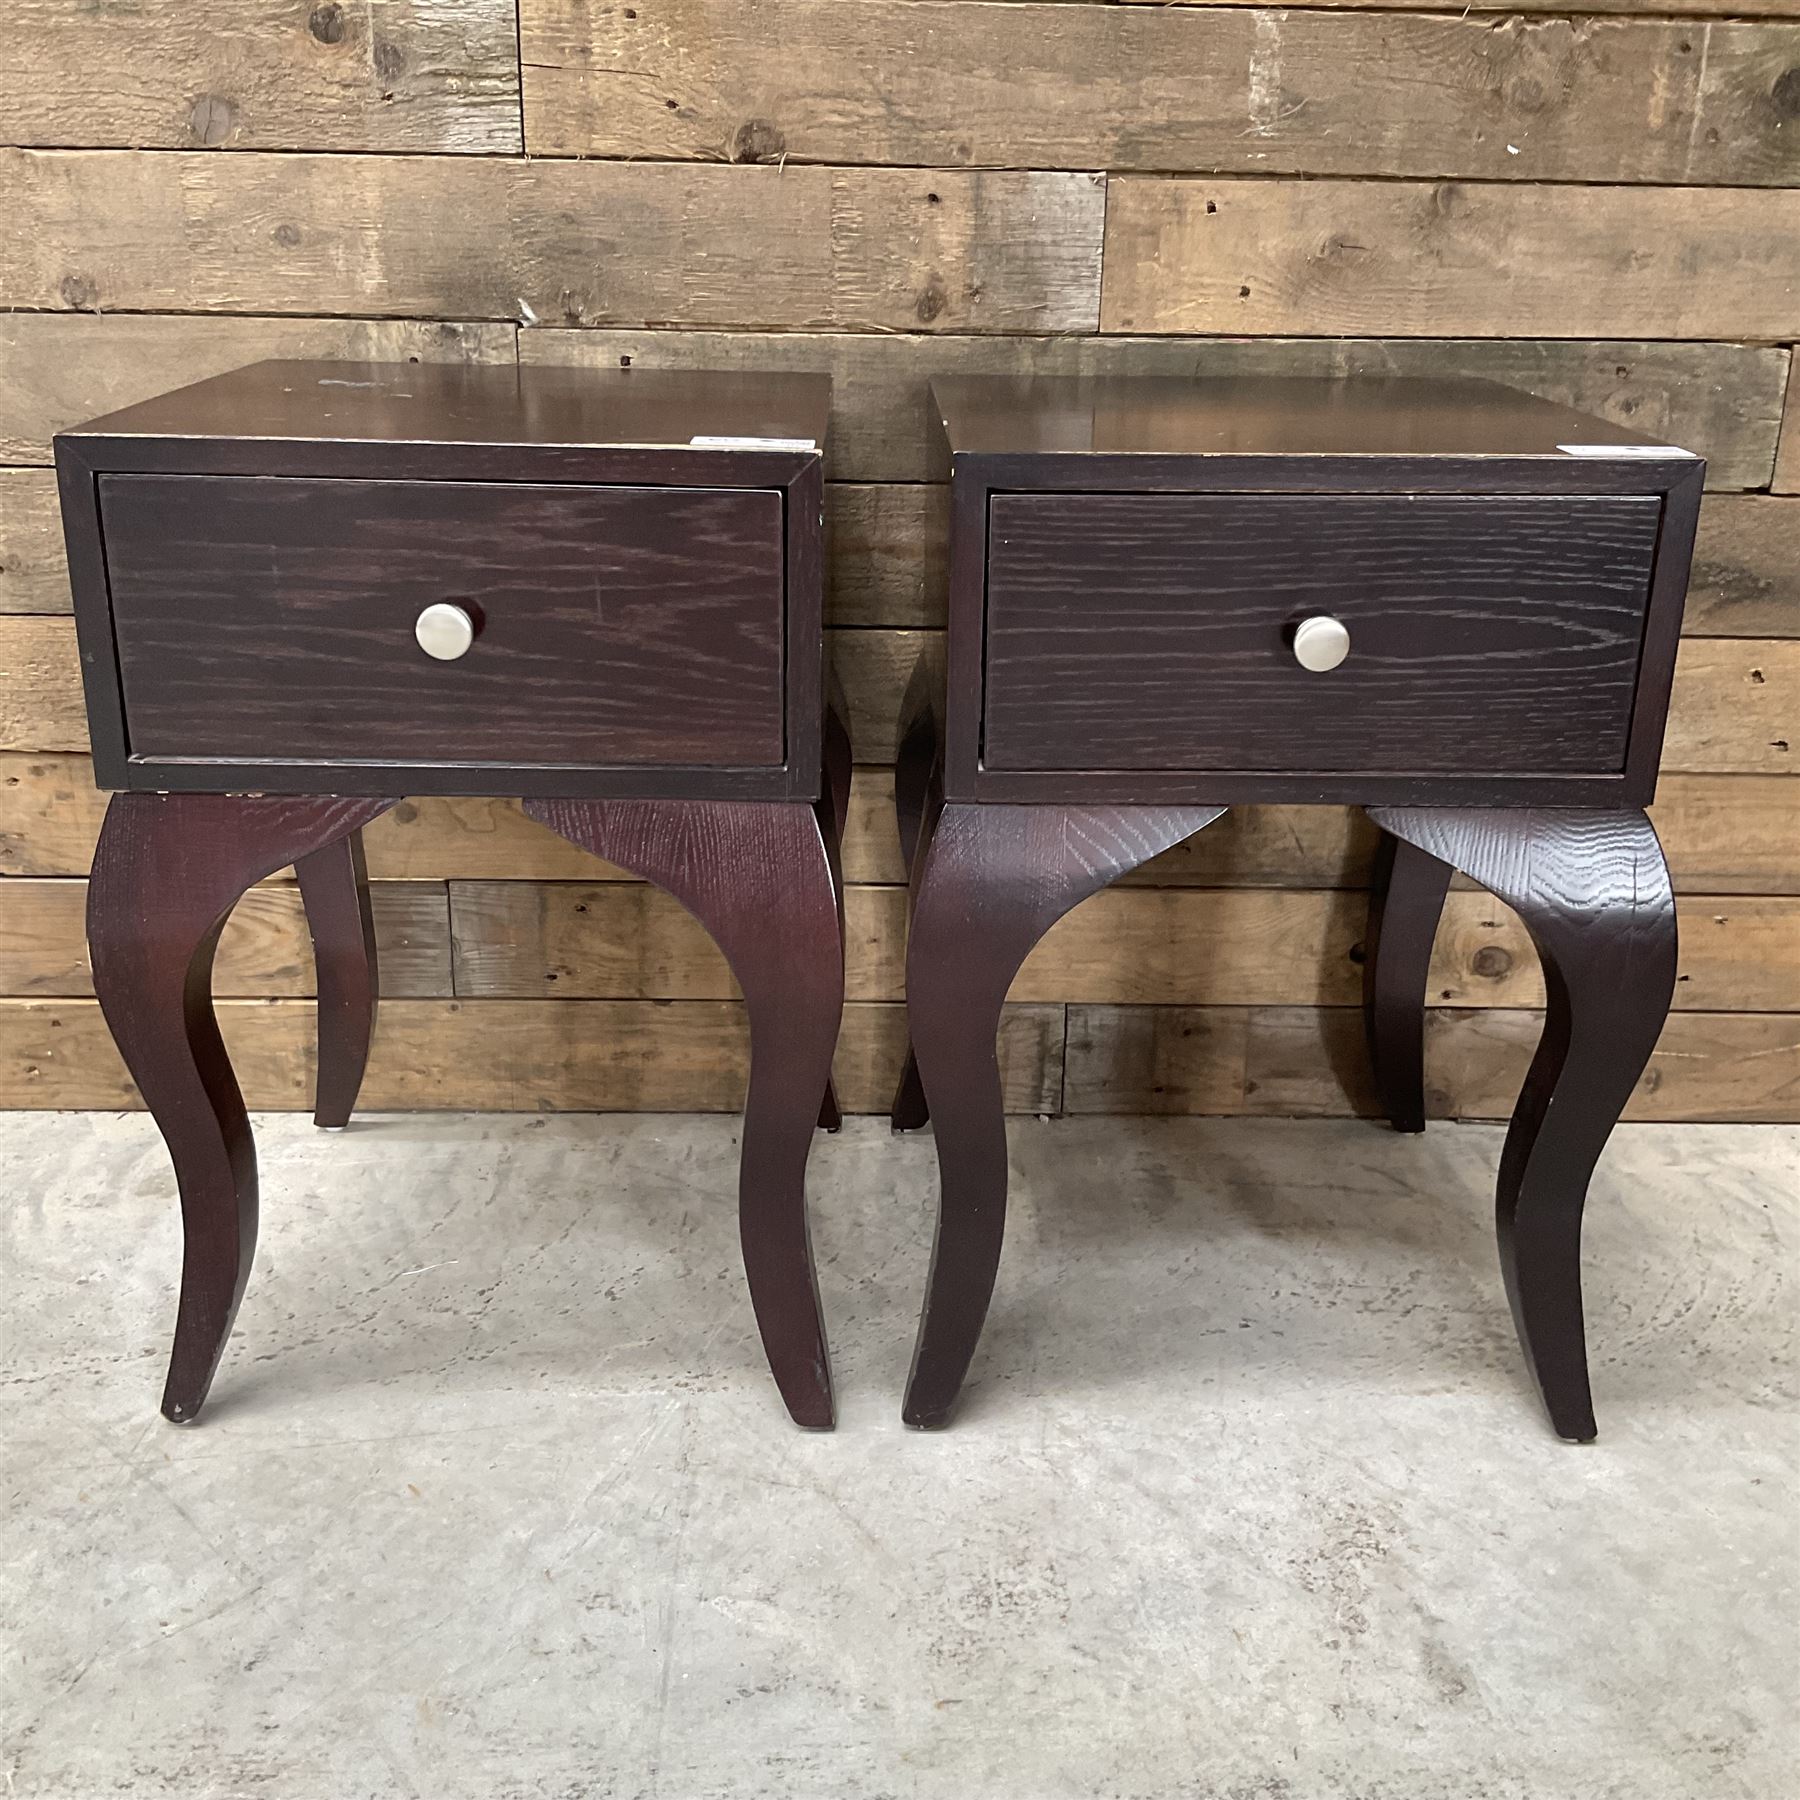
(487, 403)
(1351, 415)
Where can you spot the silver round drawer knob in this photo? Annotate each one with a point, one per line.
(444, 631)
(1321, 643)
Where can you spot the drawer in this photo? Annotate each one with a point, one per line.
(271, 619)
(1490, 635)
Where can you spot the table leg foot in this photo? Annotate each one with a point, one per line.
(1593, 890)
(995, 878)
(1406, 900)
(334, 886)
(761, 878)
(167, 871)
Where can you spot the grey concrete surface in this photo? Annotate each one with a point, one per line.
(1249, 1500)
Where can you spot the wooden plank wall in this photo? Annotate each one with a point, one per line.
(1602, 208)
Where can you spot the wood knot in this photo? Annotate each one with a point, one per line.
(212, 120)
(931, 302)
(79, 292)
(326, 23)
(1527, 94)
(758, 140)
(390, 59)
(1491, 962)
(286, 235)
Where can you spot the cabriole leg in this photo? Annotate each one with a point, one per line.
(1593, 891)
(761, 877)
(167, 871)
(334, 885)
(995, 879)
(1406, 900)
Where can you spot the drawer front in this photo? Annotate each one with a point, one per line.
(271, 619)
(1154, 631)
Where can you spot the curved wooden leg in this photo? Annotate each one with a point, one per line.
(1593, 891)
(995, 879)
(1406, 900)
(334, 885)
(167, 871)
(917, 797)
(909, 1111)
(837, 796)
(760, 877)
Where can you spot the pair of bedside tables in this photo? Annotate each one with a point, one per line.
(305, 591)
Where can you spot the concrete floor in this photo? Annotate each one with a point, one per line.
(1249, 1500)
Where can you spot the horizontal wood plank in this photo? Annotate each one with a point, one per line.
(955, 83)
(1729, 834)
(58, 370)
(437, 75)
(264, 950)
(887, 553)
(1298, 1061)
(41, 704)
(1787, 463)
(803, 248)
(1128, 945)
(625, 1056)
(34, 574)
(1723, 834)
(507, 1056)
(1727, 1066)
(1424, 259)
(1772, 9)
(1720, 400)
(1746, 578)
(1281, 947)
(1735, 707)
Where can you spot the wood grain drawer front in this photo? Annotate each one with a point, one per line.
(270, 619)
(1154, 631)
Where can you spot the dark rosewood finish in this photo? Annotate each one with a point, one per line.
(995, 879)
(1168, 455)
(1128, 564)
(762, 879)
(640, 557)
(1593, 891)
(1488, 636)
(918, 798)
(839, 765)
(264, 618)
(167, 871)
(1406, 900)
(334, 887)
(639, 549)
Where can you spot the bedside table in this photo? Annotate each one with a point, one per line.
(306, 590)
(1454, 605)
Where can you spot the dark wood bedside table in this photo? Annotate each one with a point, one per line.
(1454, 605)
(306, 590)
